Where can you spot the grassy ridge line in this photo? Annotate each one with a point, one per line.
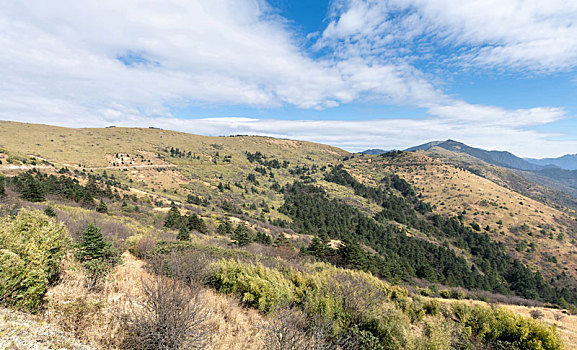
(89, 146)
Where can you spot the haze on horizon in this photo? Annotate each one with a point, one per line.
(356, 74)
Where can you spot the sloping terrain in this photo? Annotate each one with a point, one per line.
(537, 234)
(278, 221)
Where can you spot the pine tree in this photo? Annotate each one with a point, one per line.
(183, 234)
(263, 238)
(96, 254)
(93, 245)
(49, 211)
(173, 218)
(102, 207)
(31, 189)
(195, 223)
(224, 229)
(2, 187)
(241, 235)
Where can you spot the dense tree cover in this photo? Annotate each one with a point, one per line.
(34, 186)
(400, 256)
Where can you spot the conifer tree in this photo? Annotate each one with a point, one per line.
(96, 254)
(224, 229)
(241, 235)
(49, 211)
(2, 187)
(173, 218)
(196, 223)
(31, 189)
(92, 244)
(183, 233)
(263, 238)
(102, 207)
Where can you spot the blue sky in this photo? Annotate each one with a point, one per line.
(356, 74)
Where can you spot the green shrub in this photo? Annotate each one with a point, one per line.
(31, 248)
(445, 293)
(459, 294)
(503, 329)
(259, 286)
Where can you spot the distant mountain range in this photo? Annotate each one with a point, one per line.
(563, 169)
(499, 158)
(568, 161)
(374, 151)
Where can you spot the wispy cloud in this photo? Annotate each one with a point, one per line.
(540, 36)
(96, 63)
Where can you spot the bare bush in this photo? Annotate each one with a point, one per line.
(286, 330)
(172, 316)
(536, 314)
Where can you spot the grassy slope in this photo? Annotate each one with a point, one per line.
(450, 189)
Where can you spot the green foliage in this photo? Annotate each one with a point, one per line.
(96, 254)
(173, 218)
(400, 256)
(195, 223)
(33, 186)
(502, 329)
(183, 234)
(445, 293)
(241, 235)
(102, 207)
(2, 186)
(259, 286)
(30, 188)
(49, 211)
(31, 248)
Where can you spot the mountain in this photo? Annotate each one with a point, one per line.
(374, 151)
(500, 158)
(273, 222)
(567, 162)
(424, 146)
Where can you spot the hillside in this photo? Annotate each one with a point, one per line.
(533, 232)
(283, 222)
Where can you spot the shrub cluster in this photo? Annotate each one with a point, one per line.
(31, 248)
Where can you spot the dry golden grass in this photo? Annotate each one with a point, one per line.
(93, 316)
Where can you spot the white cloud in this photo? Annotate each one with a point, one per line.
(61, 63)
(519, 34)
(352, 135)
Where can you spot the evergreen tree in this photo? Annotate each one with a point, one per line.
(49, 211)
(241, 235)
(92, 186)
(102, 207)
(195, 223)
(173, 218)
(183, 233)
(224, 229)
(281, 241)
(96, 254)
(31, 189)
(2, 187)
(263, 238)
(93, 245)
